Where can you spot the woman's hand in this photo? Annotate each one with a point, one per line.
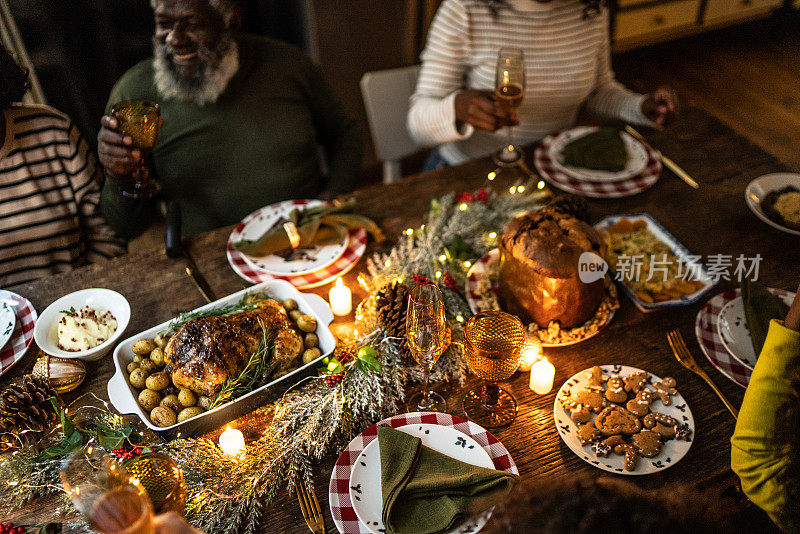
(478, 109)
(792, 320)
(661, 106)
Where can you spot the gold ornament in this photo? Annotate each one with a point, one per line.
(163, 480)
(64, 375)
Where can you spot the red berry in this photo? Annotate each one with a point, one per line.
(19, 530)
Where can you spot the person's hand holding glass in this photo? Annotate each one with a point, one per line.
(426, 331)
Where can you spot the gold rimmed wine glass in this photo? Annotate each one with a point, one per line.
(141, 120)
(493, 344)
(426, 331)
(509, 90)
(101, 489)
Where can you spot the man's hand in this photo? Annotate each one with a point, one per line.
(792, 320)
(115, 151)
(661, 106)
(478, 109)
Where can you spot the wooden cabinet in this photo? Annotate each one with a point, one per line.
(637, 25)
(721, 11)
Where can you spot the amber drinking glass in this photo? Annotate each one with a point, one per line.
(493, 344)
(426, 330)
(112, 500)
(161, 476)
(509, 90)
(141, 120)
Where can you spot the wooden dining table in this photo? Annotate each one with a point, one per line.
(711, 220)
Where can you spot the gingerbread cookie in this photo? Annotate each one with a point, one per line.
(636, 381)
(596, 378)
(665, 388)
(592, 399)
(647, 443)
(600, 448)
(580, 413)
(616, 390)
(631, 455)
(588, 433)
(641, 404)
(613, 441)
(617, 420)
(662, 424)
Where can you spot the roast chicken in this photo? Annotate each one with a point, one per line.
(205, 352)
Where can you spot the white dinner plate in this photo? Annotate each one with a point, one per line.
(759, 188)
(637, 157)
(365, 479)
(313, 259)
(7, 321)
(732, 328)
(672, 451)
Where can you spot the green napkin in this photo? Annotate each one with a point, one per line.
(760, 307)
(317, 226)
(602, 150)
(426, 492)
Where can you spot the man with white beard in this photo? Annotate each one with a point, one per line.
(244, 117)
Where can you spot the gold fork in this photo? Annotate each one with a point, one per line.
(311, 510)
(683, 355)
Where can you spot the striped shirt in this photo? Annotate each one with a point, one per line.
(49, 193)
(567, 65)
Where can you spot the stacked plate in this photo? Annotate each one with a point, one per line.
(641, 171)
(305, 268)
(17, 318)
(722, 333)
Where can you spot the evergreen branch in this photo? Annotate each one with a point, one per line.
(248, 302)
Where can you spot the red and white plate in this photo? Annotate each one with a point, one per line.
(22, 334)
(572, 184)
(356, 244)
(712, 345)
(341, 505)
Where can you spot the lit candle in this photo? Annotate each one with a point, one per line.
(231, 441)
(542, 374)
(531, 351)
(341, 298)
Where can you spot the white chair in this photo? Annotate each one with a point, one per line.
(386, 94)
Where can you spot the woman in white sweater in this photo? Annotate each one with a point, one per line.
(567, 65)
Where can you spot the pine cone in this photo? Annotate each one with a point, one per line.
(26, 406)
(571, 205)
(391, 305)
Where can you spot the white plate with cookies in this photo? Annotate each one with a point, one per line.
(624, 420)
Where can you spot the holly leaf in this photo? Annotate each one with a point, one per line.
(67, 424)
(330, 366)
(111, 439)
(49, 528)
(370, 363)
(66, 446)
(70, 311)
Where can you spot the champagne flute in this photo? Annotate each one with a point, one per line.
(509, 89)
(426, 330)
(493, 344)
(103, 491)
(141, 120)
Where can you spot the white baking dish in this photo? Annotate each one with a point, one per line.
(124, 396)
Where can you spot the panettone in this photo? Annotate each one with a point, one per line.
(539, 272)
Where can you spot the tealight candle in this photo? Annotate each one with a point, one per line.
(231, 441)
(531, 351)
(341, 298)
(542, 374)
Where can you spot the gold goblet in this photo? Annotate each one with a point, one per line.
(493, 343)
(162, 478)
(141, 120)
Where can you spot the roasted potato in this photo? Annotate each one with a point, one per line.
(161, 340)
(143, 346)
(311, 340)
(306, 323)
(172, 402)
(148, 366)
(132, 366)
(204, 402)
(157, 381)
(188, 413)
(187, 398)
(310, 355)
(138, 378)
(289, 304)
(157, 357)
(149, 399)
(163, 416)
(137, 358)
(295, 315)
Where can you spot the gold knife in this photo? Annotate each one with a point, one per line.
(671, 165)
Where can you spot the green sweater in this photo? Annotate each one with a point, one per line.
(757, 456)
(258, 144)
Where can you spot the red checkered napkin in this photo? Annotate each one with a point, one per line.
(705, 328)
(356, 245)
(344, 516)
(21, 338)
(571, 184)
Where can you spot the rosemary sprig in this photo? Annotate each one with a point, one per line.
(248, 302)
(258, 367)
